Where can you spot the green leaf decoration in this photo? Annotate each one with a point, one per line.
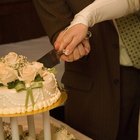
(52, 70)
(1, 85)
(11, 85)
(38, 78)
(20, 86)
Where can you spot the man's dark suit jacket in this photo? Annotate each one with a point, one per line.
(94, 78)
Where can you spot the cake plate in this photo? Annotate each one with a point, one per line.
(30, 120)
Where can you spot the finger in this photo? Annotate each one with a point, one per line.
(81, 50)
(68, 42)
(71, 46)
(66, 39)
(63, 58)
(86, 45)
(76, 54)
(57, 43)
(66, 58)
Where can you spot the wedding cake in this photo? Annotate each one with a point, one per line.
(25, 86)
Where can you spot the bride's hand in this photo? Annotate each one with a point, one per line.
(70, 38)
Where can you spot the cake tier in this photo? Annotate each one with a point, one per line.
(12, 102)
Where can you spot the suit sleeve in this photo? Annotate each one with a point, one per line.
(55, 15)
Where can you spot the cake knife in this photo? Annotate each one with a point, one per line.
(50, 59)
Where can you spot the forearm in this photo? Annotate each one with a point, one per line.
(54, 15)
(101, 10)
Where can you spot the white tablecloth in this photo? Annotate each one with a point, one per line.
(77, 134)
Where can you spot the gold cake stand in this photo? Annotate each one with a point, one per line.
(30, 120)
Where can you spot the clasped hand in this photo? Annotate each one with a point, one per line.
(73, 43)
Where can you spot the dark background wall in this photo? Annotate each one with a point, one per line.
(18, 21)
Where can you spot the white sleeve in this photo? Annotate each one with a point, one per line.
(101, 10)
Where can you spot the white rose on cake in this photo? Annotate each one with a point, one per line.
(14, 60)
(38, 66)
(28, 74)
(7, 74)
(11, 59)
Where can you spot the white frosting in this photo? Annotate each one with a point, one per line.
(12, 102)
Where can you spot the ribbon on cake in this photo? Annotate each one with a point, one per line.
(30, 93)
(21, 86)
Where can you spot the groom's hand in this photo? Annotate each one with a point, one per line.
(80, 50)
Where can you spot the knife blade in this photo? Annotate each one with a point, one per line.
(50, 59)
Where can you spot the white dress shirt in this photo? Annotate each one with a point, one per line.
(101, 10)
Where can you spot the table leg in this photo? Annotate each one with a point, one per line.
(14, 128)
(46, 126)
(31, 126)
(1, 130)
